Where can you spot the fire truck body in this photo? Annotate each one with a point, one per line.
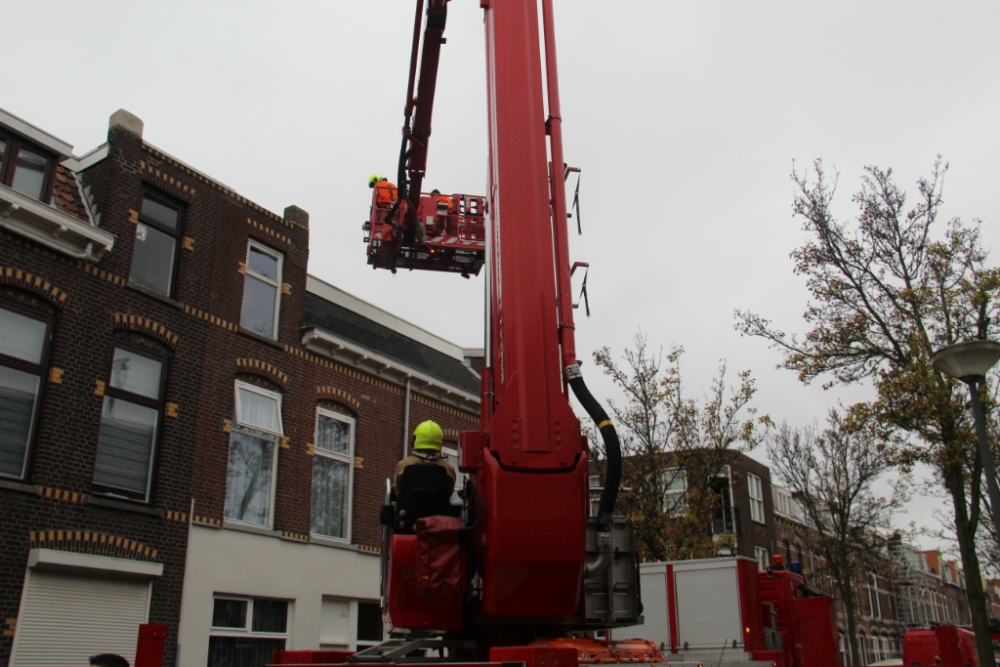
(723, 610)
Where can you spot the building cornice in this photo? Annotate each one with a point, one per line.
(347, 352)
(51, 227)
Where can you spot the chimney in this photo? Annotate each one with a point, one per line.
(295, 214)
(127, 121)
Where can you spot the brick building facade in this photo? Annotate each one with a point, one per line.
(191, 421)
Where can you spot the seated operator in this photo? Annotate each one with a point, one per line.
(385, 192)
(426, 451)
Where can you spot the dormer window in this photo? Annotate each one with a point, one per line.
(24, 167)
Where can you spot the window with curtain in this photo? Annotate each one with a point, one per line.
(261, 290)
(253, 445)
(333, 465)
(130, 420)
(23, 346)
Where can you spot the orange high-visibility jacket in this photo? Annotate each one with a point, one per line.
(443, 199)
(385, 193)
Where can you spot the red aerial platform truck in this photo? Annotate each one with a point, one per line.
(524, 560)
(521, 575)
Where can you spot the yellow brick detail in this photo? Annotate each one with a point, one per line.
(227, 425)
(172, 409)
(286, 288)
(56, 375)
(284, 442)
(187, 243)
(133, 216)
(359, 463)
(99, 387)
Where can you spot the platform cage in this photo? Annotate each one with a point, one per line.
(448, 233)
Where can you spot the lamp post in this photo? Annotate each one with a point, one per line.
(969, 362)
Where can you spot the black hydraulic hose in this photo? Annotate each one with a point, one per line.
(400, 177)
(613, 450)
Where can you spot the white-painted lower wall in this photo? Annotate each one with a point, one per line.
(241, 563)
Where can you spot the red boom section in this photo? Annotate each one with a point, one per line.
(532, 474)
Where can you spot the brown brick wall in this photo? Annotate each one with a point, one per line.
(207, 353)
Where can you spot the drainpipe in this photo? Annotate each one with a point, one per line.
(406, 420)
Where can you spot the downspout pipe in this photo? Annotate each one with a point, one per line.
(406, 421)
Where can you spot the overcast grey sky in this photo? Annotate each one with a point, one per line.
(685, 118)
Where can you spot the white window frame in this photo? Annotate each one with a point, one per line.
(595, 481)
(755, 489)
(247, 631)
(38, 370)
(763, 558)
(873, 599)
(459, 475)
(275, 282)
(354, 616)
(273, 436)
(263, 392)
(343, 458)
(670, 505)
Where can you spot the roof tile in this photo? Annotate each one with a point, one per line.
(67, 196)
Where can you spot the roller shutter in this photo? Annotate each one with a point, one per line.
(708, 606)
(67, 617)
(654, 606)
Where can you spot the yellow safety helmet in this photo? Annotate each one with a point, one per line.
(373, 180)
(427, 435)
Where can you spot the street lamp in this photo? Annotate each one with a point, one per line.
(969, 362)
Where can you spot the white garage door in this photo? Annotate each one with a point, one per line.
(708, 607)
(65, 618)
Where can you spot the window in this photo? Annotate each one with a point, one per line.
(756, 497)
(595, 481)
(349, 624)
(247, 631)
(25, 168)
(252, 459)
(154, 258)
(333, 463)
(261, 290)
(874, 603)
(760, 553)
(130, 418)
(595, 505)
(449, 451)
(23, 346)
(675, 491)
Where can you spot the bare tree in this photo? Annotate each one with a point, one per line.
(831, 473)
(885, 294)
(673, 448)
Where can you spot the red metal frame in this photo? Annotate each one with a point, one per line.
(453, 241)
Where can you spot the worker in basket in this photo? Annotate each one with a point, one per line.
(444, 200)
(385, 192)
(427, 438)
